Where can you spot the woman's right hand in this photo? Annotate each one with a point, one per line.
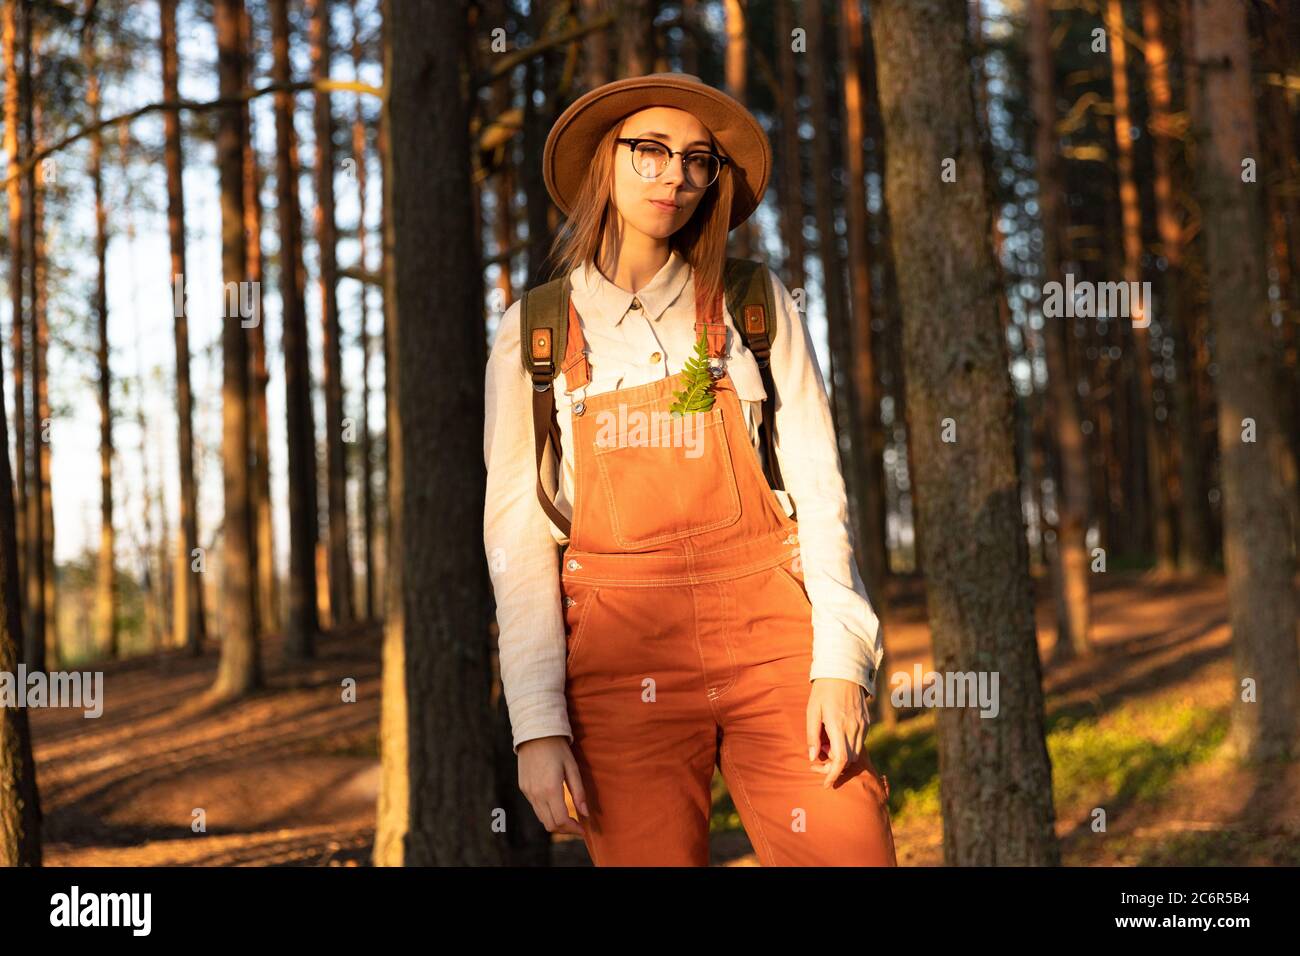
(546, 764)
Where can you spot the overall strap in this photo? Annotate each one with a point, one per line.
(544, 314)
(749, 299)
(708, 319)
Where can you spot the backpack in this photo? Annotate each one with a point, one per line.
(544, 327)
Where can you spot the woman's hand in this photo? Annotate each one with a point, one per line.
(546, 764)
(841, 706)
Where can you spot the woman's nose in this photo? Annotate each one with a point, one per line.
(673, 172)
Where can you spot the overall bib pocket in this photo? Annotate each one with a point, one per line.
(685, 485)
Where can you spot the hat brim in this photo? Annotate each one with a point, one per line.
(575, 135)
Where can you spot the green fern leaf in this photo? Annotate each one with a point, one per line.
(697, 396)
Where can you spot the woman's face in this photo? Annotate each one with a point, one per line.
(658, 207)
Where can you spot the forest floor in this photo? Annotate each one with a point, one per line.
(290, 775)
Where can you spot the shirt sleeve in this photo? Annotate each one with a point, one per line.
(846, 631)
(522, 554)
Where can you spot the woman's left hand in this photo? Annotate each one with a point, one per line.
(841, 706)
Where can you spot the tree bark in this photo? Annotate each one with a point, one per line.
(188, 605)
(1257, 541)
(42, 637)
(736, 61)
(844, 409)
(259, 377)
(789, 165)
(17, 275)
(869, 440)
(301, 621)
(363, 336)
(638, 40)
(20, 809)
(436, 722)
(595, 47)
(1161, 527)
(1194, 551)
(105, 590)
(340, 562)
(1070, 551)
(240, 669)
(996, 783)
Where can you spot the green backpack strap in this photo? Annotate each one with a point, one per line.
(748, 288)
(543, 337)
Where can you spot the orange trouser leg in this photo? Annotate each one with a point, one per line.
(654, 674)
(644, 737)
(791, 819)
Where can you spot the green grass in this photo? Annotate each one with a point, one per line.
(1133, 752)
(1128, 754)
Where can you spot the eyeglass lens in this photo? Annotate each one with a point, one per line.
(651, 160)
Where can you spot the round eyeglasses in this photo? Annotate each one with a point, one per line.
(650, 158)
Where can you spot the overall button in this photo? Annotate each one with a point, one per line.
(572, 565)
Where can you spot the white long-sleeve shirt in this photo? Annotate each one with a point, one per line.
(632, 339)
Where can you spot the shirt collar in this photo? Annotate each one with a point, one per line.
(655, 297)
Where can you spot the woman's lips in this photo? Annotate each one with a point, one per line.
(666, 206)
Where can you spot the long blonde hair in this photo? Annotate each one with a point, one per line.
(702, 241)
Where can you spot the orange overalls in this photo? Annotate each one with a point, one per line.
(689, 640)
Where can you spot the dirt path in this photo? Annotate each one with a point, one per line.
(291, 775)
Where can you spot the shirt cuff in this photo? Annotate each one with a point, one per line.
(844, 655)
(541, 715)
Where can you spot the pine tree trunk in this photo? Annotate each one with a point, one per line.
(595, 47)
(1162, 528)
(38, 531)
(17, 275)
(20, 809)
(1070, 550)
(240, 668)
(301, 622)
(34, 633)
(844, 407)
(363, 336)
(267, 599)
(105, 591)
(1194, 554)
(789, 167)
(1284, 224)
(340, 563)
(1257, 541)
(638, 41)
(736, 57)
(996, 783)
(188, 603)
(539, 75)
(869, 440)
(436, 723)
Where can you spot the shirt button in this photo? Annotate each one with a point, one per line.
(636, 303)
(656, 356)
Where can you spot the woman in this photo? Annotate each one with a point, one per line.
(676, 630)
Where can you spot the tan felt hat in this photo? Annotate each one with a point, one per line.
(740, 138)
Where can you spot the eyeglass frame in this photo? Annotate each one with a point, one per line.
(633, 142)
